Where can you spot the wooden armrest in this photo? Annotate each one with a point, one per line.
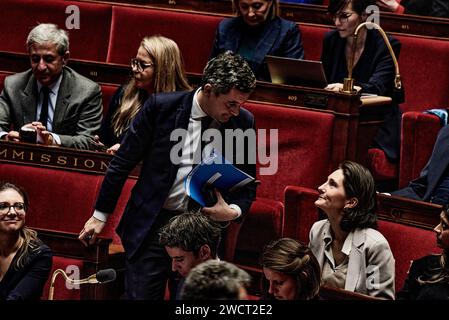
(407, 211)
(67, 244)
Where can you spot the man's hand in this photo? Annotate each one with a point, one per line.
(388, 5)
(91, 229)
(337, 87)
(12, 136)
(113, 150)
(44, 136)
(221, 211)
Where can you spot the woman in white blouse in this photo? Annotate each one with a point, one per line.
(351, 253)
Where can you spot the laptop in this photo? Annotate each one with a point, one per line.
(298, 72)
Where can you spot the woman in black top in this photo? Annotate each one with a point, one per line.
(428, 278)
(373, 70)
(25, 262)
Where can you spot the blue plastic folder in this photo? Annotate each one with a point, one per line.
(214, 172)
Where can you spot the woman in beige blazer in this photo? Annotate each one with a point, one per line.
(351, 253)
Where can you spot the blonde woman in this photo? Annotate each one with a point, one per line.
(156, 68)
(25, 262)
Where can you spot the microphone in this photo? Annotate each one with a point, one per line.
(102, 276)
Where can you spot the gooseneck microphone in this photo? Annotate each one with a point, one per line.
(102, 276)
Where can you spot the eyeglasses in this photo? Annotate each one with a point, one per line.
(343, 17)
(5, 208)
(140, 65)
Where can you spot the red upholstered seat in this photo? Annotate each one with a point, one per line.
(380, 166)
(407, 243)
(20, 16)
(425, 86)
(419, 133)
(3, 75)
(303, 159)
(62, 291)
(107, 91)
(312, 37)
(300, 212)
(59, 200)
(181, 27)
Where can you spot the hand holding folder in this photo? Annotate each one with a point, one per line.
(214, 172)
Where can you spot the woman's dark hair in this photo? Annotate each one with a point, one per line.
(359, 183)
(358, 6)
(293, 258)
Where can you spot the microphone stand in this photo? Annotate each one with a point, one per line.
(348, 83)
(91, 279)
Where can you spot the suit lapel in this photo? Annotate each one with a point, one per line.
(356, 261)
(29, 101)
(269, 36)
(62, 101)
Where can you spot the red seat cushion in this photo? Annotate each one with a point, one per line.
(407, 243)
(380, 166)
(95, 19)
(262, 225)
(178, 26)
(59, 200)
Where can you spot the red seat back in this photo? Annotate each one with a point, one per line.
(130, 25)
(89, 42)
(303, 158)
(407, 243)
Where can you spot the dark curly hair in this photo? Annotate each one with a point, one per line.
(359, 6)
(226, 71)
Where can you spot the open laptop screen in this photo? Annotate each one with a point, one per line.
(298, 72)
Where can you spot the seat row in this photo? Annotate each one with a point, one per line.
(119, 29)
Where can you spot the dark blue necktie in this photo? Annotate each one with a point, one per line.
(43, 118)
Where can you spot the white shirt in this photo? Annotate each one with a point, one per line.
(177, 199)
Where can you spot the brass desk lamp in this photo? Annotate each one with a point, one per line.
(348, 83)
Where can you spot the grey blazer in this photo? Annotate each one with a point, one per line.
(78, 110)
(371, 263)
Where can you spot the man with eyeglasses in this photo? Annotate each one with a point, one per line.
(160, 193)
(61, 106)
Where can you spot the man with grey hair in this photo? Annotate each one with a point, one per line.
(61, 106)
(216, 280)
(160, 193)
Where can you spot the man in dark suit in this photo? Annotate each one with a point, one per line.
(159, 193)
(433, 182)
(63, 107)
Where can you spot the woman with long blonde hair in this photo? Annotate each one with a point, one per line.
(157, 67)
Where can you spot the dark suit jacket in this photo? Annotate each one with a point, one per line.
(148, 140)
(28, 282)
(423, 187)
(412, 290)
(279, 37)
(434, 8)
(78, 109)
(374, 72)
